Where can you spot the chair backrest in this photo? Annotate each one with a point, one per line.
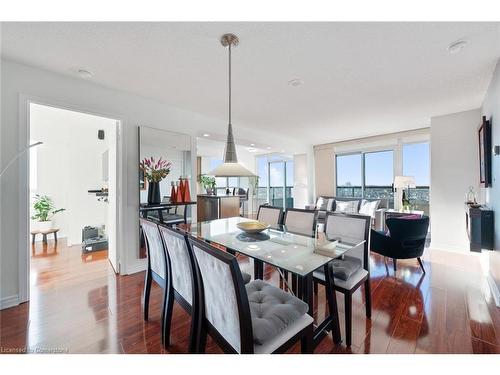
(301, 221)
(270, 215)
(180, 262)
(350, 228)
(223, 295)
(408, 234)
(154, 247)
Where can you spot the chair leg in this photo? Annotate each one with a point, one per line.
(306, 342)
(421, 264)
(315, 288)
(202, 340)
(167, 316)
(368, 298)
(348, 318)
(147, 291)
(394, 263)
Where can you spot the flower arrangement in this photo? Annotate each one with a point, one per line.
(155, 171)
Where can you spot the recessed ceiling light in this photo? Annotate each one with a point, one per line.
(85, 74)
(457, 46)
(206, 135)
(252, 144)
(295, 82)
(251, 149)
(268, 148)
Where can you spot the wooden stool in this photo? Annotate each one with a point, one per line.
(44, 234)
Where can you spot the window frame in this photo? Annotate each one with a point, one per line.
(363, 166)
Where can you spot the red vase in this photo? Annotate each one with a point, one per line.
(181, 187)
(178, 196)
(173, 193)
(187, 194)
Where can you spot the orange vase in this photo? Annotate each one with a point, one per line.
(187, 194)
(178, 196)
(173, 193)
(181, 187)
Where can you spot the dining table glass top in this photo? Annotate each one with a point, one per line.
(279, 246)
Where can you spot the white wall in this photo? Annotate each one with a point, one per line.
(454, 167)
(491, 109)
(301, 184)
(69, 163)
(75, 93)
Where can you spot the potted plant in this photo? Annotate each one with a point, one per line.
(154, 172)
(44, 211)
(208, 183)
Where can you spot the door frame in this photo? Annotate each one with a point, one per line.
(24, 170)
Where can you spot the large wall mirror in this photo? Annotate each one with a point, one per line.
(174, 148)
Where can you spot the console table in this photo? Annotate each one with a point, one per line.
(479, 224)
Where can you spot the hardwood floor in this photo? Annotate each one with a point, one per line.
(78, 305)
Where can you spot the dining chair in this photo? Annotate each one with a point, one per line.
(256, 318)
(301, 221)
(157, 267)
(181, 285)
(353, 270)
(270, 215)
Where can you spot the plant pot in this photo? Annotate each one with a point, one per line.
(44, 225)
(210, 191)
(154, 196)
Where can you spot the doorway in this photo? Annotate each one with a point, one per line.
(72, 191)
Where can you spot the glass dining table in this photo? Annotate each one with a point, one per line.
(293, 253)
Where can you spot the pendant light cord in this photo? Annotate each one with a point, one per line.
(230, 83)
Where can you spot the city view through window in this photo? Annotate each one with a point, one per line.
(370, 175)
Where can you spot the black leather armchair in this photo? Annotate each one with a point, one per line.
(406, 239)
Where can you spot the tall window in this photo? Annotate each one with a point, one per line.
(379, 175)
(368, 175)
(349, 172)
(276, 180)
(416, 164)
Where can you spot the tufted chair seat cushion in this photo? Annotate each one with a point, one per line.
(272, 310)
(246, 277)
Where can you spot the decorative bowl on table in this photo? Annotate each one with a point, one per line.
(253, 226)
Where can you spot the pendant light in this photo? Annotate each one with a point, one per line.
(230, 167)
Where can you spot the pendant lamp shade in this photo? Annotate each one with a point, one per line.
(230, 167)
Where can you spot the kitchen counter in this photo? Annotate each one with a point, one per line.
(212, 207)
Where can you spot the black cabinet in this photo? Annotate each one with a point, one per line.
(480, 228)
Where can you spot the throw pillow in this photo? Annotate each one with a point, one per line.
(347, 207)
(321, 204)
(368, 208)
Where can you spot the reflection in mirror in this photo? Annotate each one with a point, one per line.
(174, 150)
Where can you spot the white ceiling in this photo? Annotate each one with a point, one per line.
(360, 79)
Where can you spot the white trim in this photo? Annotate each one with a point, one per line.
(494, 289)
(138, 266)
(9, 301)
(24, 134)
